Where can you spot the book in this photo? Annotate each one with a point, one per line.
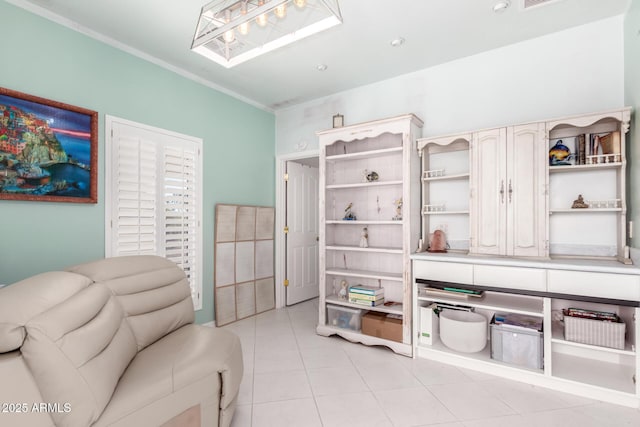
(365, 302)
(580, 149)
(610, 143)
(366, 290)
(365, 297)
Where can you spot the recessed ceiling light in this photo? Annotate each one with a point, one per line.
(321, 67)
(501, 6)
(398, 41)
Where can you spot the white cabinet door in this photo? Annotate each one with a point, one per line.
(525, 187)
(489, 192)
(509, 180)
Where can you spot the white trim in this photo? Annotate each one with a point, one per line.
(109, 123)
(66, 22)
(281, 201)
(211, 324)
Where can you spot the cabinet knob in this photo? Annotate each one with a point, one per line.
(502, 191)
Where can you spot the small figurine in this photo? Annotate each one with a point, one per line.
(579, 203)
(348, 214)
(398, 204)
(343, 289)
(364, 238)
(370, 176)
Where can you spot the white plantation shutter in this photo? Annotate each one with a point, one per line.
(154, 196)
(180, 208)
(135, 220)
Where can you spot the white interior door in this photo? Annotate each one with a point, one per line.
(302, 238)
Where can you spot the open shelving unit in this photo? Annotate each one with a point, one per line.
(381, 205)
(595, 231)
(445, 179)
(594, 371)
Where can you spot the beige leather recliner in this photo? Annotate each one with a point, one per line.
(113, 343)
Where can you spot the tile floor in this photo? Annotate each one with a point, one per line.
(296, 378)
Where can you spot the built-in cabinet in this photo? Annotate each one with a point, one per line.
(540, 289)
(369, 201)
(508, 191)
(512, 199)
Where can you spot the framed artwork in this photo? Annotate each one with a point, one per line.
(48, 150)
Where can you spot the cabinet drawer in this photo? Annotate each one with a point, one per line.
(532, 279)
(601, 285)
(443, 271)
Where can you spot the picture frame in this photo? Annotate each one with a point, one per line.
(48, 150)
(338, 121)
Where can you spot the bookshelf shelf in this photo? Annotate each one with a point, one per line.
(531, 306)
(582, 168)
(362, 185)
(396, 309)
(365, 274)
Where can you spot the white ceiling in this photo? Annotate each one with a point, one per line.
(356, 53)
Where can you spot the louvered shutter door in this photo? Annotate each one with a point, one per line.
(180, 208)
(154, 192)
(135, 208)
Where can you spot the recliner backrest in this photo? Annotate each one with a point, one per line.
(153, 291)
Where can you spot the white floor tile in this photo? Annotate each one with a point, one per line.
(275, 386)
(609, 414)
(429, 372)
(413, 406)
(525, 398)
(326, 381)
(277, 361)
(288, 413)
(469, 401)
(245, 395)
(242, 416)
(325, 357)
(564, 418)
(387, 376)
(351, 410)
(506, 421)
(271, 343)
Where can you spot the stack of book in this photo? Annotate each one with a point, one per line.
(366, 295)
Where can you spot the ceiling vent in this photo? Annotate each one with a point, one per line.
(528, 4)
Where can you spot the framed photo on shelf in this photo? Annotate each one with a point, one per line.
(48, 150)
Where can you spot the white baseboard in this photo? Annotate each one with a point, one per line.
(211, 324)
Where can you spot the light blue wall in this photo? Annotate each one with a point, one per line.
(51, 61)
(632, 98)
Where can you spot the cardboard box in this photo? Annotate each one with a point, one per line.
(382, 325)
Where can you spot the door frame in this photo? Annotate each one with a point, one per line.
(281, 208)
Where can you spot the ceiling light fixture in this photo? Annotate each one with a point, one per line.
(501, 6)
(321, 67)
(223, 34)
(399, 41)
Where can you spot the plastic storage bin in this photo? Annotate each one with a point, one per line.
(517, 345)
(344, 317)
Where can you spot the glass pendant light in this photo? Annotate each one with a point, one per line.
(281, 10)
